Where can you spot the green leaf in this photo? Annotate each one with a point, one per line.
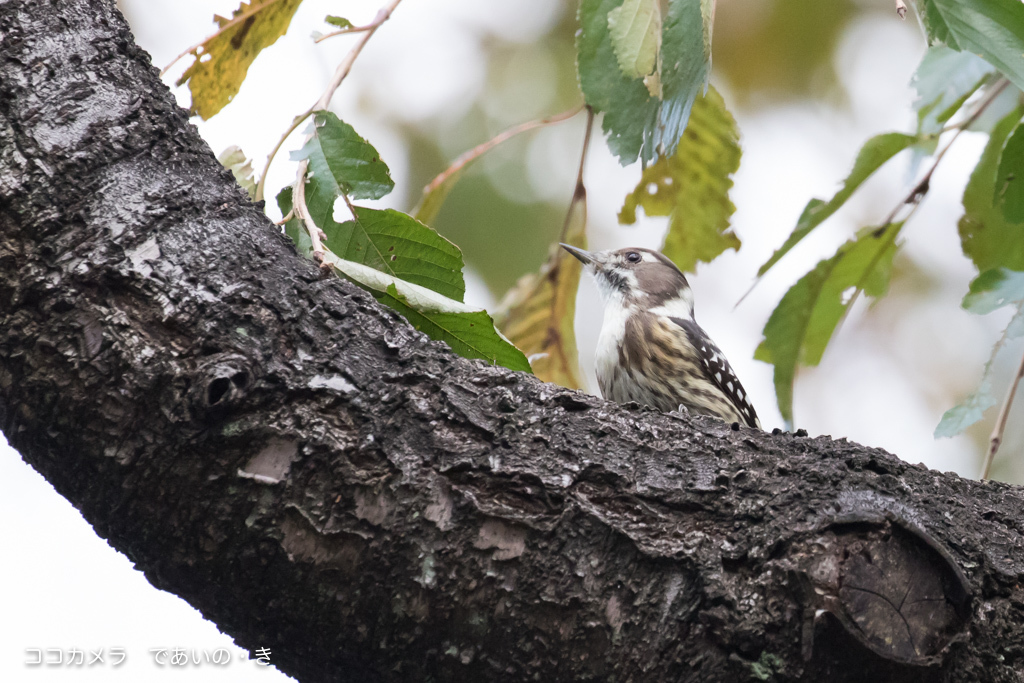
(991, 290)
(343, 162)
(871, 157)
(394, 243)
(693, 186)
(1009, 185)
(538, 315)
(387, 240)
(957, 419)
(636, 122)
(944, 80)
(986, 236)
(635, 32)
(222, 62)
(469, 332)
(994, 289)
(801, 325)
(935, 25)
(234, 159)
(293, 228)
(337, 21)
(993, 29)
(629, 109)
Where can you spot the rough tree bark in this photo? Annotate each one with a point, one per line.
(317, 477)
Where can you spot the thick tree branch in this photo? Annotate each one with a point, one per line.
(318, 478)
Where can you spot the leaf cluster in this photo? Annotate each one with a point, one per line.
(402, 262)
(974, 65)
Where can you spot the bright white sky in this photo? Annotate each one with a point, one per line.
(882, 383)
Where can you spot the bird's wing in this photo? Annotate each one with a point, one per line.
(718, 370)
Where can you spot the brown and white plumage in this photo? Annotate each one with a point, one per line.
(651, 349)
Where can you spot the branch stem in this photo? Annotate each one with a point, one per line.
(996, 438)
(579, 193)
(263, 176)
(484, 147)
(346, 31)
(324, 101)
(301, 212)
(919, 190)
(346, 64)
(299, 188)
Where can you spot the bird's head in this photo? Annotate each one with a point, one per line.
(638, 277)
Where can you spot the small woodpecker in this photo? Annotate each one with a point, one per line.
(651, 350)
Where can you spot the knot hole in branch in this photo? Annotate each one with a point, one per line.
(897, 591)
(222, 381)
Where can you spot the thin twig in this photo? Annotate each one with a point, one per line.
(501, 137)
(233, 22)
(299, 191)
(346, 64)
(325, 99)
(919, 190)
(344, 31)
(301, 212)
(576, 214)
(296, 122)
(579, 194)
(997, 433)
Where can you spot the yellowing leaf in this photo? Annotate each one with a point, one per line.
(433, 198)
(693, 185)
(538, 314)
(635, 31)
(224, 59)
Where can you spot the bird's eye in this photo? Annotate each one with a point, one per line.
(633, 257)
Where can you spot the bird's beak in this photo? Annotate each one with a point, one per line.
(585, 256)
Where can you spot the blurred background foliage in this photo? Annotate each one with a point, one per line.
(808, 83)
(777, 50)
